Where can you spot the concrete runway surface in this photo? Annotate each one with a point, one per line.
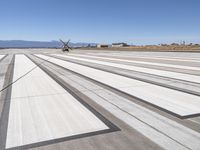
(99, 100)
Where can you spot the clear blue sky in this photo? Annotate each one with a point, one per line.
(104, 21)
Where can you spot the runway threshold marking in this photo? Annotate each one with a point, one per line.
(176, 102)
(169, 74)
(43, 112)
(137, 62)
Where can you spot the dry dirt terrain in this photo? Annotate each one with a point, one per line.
(158, 48)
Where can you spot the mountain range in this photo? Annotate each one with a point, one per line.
(38, 44)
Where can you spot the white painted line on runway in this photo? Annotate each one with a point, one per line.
(1, 56)
(41, 110)
(137, 62)
(163, 73)
(184, 59)
(179, 103)
(177, 58)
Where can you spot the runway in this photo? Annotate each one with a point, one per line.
(176, 102)
(99, 100)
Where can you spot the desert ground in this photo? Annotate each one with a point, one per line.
(99, 100)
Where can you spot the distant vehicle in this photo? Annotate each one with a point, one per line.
(65, 47)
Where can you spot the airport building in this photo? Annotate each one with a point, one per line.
(119, 44)
(102, 45)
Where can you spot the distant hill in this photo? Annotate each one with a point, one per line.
(37, 44)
